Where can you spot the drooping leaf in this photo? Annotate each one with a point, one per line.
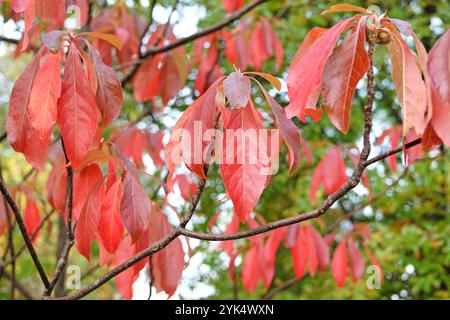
(135, 207)
(410, 87)
(339, 264)
(198, 117)
(244, 171)
(342, 72)
(168, 264)
(299, 253)
(109, 90)
(45, 93)
(78, 114)
(32, 218)
(290, 133)
(357, 263)
(439, 71)
(21, 135)
(110, 225)
(304, 90)
(88, 221)
(330, 172)
(83, 184)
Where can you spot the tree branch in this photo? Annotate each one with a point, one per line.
(25, 235)
(63, 258)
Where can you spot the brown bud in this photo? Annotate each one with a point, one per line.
(383, 38)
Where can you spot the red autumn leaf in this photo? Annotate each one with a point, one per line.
(21, 135)
(291, 235)
(394, 134)
(290, 133)
(243, 171)
(135, 207)
(299, 253)
(439, 72)
(255, 268)
(53, 11)
(32, 218)
(167, 265)
(109, 90)
(186, 185)
(265, 44)
(342, 72)
(125, 279)
(57, 187)
(357, 263)
(3, 215)
(273, 243)
(198, 116)
(313, 260)
(110, 225)
(411, 90)
(232, 5)
(21, 5)
(78, 114)
(304, 91)
(88, 221)
(228, 246)
(83, 184)
(236, 49)
(237, 89)
(339, 264)
(323, 252)
(45, 93)
(330, 172)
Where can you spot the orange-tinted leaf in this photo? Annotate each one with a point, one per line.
(274, 81)
(342, 72)
(78, 114)
(112, 39)
(411, 90)
(344, 8)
